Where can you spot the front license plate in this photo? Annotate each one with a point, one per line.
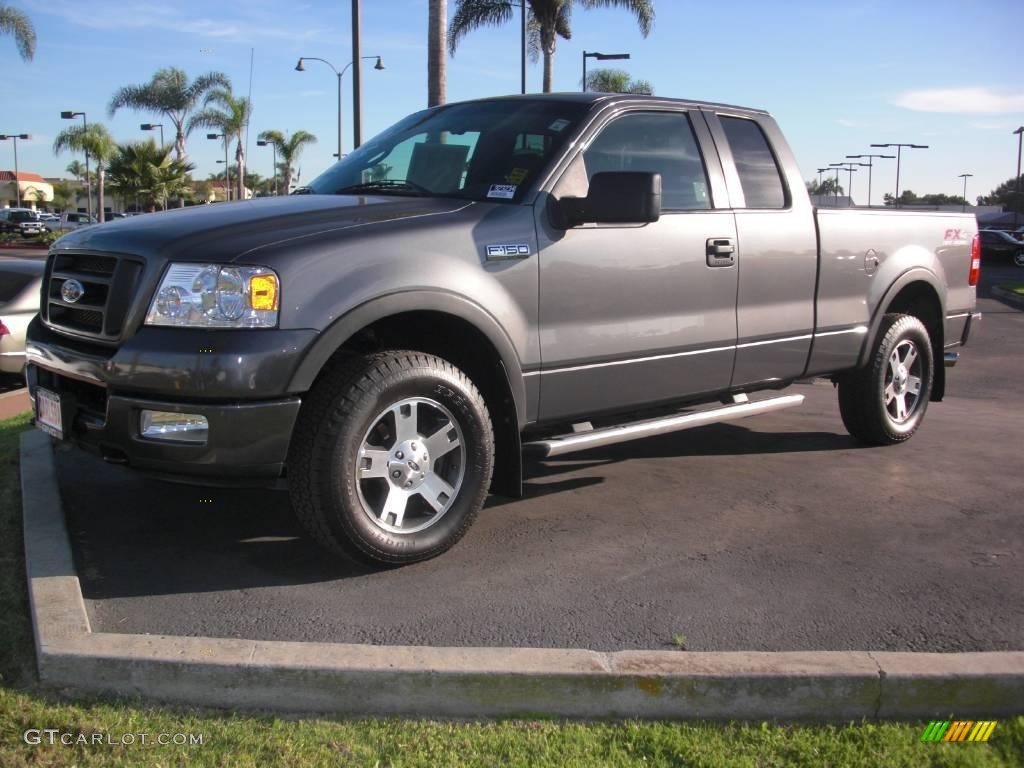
(48, 415)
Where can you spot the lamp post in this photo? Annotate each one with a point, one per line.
(899, 152)
(68, 115)
(821, 171)
(851, 169)
(965, 177)
(227, 166)
(151, 126)
(273, 146)
(300, 67)
(870, 164)
(522, 52)
(599, 57)
(14, 137)
(1016, 211)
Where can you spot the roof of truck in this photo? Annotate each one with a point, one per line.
(593, 97)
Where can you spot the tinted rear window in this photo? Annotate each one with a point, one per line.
(759, 173)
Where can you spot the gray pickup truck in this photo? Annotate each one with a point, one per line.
(538, 274)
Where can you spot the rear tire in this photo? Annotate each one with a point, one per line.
(391, 457)
(884, 402)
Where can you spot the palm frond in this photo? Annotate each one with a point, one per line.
(643, 10)
(473, 14)
(16, 23)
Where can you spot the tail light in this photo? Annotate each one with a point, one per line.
(4, 330)
(972, 276)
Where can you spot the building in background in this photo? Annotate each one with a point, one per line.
(36, 191)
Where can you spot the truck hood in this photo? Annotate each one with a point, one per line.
(227, 231)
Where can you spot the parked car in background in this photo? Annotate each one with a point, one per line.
(21, 221)
(20, 285)
(999, 245)
(70, 220)
(49, 217)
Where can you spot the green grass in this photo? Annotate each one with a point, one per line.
(1017, 288)
(231, 739)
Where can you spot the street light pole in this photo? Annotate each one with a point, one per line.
(357, 78)
(151, 126)
(965, 177)
(899, 153)
(227, 165)
(1016, 209)
(300, 67)
(522, 52)
(599, 57)
(820, 171)
(849, 167)
(870, 165)
(14, 137)
(68, 115)
(273, 146)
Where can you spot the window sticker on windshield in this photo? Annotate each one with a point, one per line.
(558, 125)
(517, 176)
(502, 191)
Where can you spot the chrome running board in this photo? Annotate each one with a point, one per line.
(581, 441)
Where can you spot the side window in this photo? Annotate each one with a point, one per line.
(759, 173)
(656, 142)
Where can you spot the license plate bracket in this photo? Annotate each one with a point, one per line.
(49, 413)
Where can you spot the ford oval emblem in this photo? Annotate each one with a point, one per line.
(72, 291)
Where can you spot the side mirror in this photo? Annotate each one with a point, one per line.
(616, 197)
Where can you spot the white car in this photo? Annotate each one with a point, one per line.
(70, 220)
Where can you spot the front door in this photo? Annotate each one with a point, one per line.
(639, 314)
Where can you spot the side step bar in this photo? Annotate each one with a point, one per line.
(581, 441)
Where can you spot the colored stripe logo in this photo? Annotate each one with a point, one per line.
(959, 730)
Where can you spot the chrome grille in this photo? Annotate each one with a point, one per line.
(109, 284)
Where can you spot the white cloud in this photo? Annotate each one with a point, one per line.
(847, 123)
(979, 100)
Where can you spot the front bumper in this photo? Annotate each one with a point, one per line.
(236, 379)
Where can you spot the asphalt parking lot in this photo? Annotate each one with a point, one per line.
(775, 533)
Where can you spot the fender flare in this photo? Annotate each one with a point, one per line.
(913, 275)
(443, 302)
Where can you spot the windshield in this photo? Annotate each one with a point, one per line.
(24, 216)
(484, 150)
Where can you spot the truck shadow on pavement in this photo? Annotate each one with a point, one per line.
(134, 536)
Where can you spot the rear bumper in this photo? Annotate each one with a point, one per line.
(236, 380)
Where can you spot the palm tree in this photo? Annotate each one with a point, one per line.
(437, 33)
(170, 94)
(548, 20)
(15, 22)
(288, 151)
(63, 195)
(95, 140)
(148, 173)
(229, 115)
(616, 81)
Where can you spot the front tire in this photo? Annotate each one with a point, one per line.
(884, 403)
(391, 457)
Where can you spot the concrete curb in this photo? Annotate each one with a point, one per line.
(477, 682)
(1008, 297)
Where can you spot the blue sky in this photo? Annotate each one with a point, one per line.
(836, 76)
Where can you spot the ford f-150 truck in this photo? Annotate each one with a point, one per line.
(537, 274)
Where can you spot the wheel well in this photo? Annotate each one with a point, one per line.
(466, 347)
(920, 300)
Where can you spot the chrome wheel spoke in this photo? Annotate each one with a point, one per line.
(894, 364)
(373, 463)
(406, 415)
(443, 441)
(901, 406)
(890, 393)
(436, 492)
(914, 384)
(394, 505)
(911, 356)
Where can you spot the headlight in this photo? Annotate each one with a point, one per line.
(216, 296)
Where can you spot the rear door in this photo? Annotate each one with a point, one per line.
(639, 314)
(777, 248)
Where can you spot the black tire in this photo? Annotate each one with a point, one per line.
(864, 400)
(328, 493)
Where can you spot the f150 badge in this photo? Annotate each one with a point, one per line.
(507, 251)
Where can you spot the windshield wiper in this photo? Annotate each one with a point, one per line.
(385, 187)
